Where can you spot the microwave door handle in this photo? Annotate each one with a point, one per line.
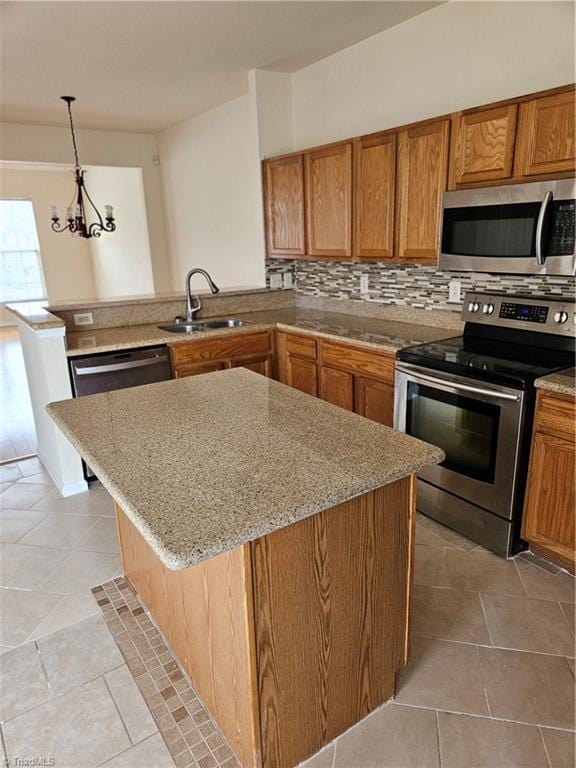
(540, 228)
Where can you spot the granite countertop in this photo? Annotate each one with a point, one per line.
(204, 464)
(390, 335)
(563, 382)
(35, 314)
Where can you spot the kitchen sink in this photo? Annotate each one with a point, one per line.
(207, 325)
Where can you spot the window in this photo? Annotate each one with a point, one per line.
(21, 276)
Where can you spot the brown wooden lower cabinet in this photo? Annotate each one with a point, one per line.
(549, 509)
(249, 350)
(374, 399)
(294, 637)
(337, 387)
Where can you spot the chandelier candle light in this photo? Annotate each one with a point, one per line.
(76, 222)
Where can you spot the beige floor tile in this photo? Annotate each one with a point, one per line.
(528, 687)
(447, 536)
(568, 611)
(151, 753)
(322, 759)
(96, 501)
(79, 653)
(444, 676)
(22, 681)
(560, 747)
(14, 523)
(543, 585)
(9, 473)
(102, 537)
(392, 737)
(58, 530)
(131, 705)
(528, 625)
(80, 729)
(430, 567)
(23, 496)
(448, 614)
(12, 557)
(30, 466)
(79, 571)
(572, 665)
(22, 612)
(477, 742)
(482, 571)
(71, 610)
(40, 478)
(36, 567)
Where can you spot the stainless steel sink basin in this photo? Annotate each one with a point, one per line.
(207, 325)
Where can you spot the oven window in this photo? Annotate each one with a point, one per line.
(465, 429)
(491, 230)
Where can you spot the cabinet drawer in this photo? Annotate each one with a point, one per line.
(359, 361)
(234, 346)
(193, 369)
(303, 346)
(555, 413)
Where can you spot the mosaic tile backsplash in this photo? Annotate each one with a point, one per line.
(419, 286)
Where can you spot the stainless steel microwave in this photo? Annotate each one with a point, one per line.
(524, 229)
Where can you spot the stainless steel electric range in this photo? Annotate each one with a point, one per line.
(473, 395)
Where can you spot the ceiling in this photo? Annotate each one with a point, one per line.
(143, 66)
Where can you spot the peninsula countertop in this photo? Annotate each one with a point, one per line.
(204, 464)
(562, 382)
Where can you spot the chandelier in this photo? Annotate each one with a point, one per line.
(76, 221)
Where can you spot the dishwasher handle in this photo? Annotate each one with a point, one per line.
(110, 367)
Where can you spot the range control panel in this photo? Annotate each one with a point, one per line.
(534, 313)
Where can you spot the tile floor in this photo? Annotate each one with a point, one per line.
(490, 682)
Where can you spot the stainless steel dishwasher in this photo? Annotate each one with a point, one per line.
(92, 374)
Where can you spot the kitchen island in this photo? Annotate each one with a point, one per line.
(270, 535)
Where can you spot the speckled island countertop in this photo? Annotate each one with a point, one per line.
(204, 464)
(563, 382)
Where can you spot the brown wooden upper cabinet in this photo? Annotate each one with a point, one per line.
(284, 195)
(483, 145)
(421, 181)
(374, 191)
(545, 142)
(329, 200)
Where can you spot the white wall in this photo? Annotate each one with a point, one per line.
(271, 96)
(40, 143)
(121, 260)
(212, 195)
(454, 56)
(66, 260)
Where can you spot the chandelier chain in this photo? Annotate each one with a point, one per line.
(73, 136)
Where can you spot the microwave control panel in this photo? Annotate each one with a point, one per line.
(563, 229)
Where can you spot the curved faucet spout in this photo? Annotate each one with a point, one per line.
(193, 303)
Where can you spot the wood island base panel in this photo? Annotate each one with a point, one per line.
(293, 637)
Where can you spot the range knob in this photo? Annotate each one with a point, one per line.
(473, 306)
(560, 317)
(488, 309)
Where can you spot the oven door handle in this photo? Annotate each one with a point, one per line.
(464, 387)
(540, 259)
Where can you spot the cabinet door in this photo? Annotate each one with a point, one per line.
(374, 399)
(546, 135)
(422, 173)
(483, 145)
(284, 191)
(192, 369)
(337, 387)
(374, 185)
(259, 364)
(329, 201)
(550, 499)
(302, 374)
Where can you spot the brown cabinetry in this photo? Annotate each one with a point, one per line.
(284, 194)
(546, 136)
(249, 350)
(421, 181)
(374, 196)
(374, 399)
(483, 145)
(329, 200)
(549, 510)
(297, 365)
(337, 387)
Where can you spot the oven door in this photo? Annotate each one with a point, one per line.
(478, 426)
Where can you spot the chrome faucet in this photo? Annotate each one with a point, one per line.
(193, 303)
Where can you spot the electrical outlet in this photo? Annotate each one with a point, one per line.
(83, 318)
(275, 281)
(455, 292)
(364, 283)
(287, 279)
